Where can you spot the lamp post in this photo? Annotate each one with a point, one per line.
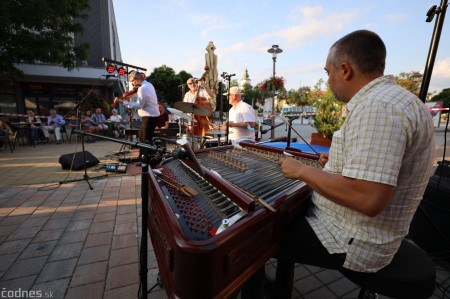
(274, 51)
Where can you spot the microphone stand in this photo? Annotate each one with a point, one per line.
(228, 78)
(85, 176)
(440, 12)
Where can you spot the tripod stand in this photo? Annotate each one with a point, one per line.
(85, 176)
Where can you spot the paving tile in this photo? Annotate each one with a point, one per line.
(91, 291)
(57, 270)
(22, 283)
(66, 251)
(24, 233)
(122, 276)
(126, 218)
(8, 229)
(328, 276)
(48, 235)
(56, 223)
(52, 289)
(125, 292)
(98, 239)
(38, 249)
(35, 221)
(7, 260)
(322, 293)
(124, 241)
(94, 254)
(14, 220)
(126, 209)
(79, 225)
(101, 227)
(307, 284)
(123, 256)
(107, 208)
(342, 286)
(83, 215)
(26, 267)
(14, 246)
(101, 217)
(73, 237)
(89, 273)
(125, 228)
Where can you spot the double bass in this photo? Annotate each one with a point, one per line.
(203, 123)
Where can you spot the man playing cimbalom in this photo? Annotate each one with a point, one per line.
(374, 177)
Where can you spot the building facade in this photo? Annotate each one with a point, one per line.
(45, 86)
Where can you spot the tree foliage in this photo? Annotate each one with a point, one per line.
(443, 96)
(167, 82)
(41, 31)
(329, 116)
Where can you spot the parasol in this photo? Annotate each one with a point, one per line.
(211, 62)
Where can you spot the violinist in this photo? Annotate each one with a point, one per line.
(147, 104)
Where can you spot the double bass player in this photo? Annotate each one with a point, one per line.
(200, 94)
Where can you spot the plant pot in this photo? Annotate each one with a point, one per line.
(320, 139)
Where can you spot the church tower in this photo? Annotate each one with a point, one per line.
(245, 79)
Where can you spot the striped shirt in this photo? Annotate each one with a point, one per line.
(387, 137)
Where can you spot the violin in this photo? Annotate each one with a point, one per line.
(127, 95)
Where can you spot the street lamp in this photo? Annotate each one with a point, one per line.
(274, 51)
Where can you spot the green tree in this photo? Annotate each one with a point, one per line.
(40, 31)
(410, 81)
(443, 96)
(329, 114)
(166, 83)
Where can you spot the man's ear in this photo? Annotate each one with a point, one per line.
(346, 70)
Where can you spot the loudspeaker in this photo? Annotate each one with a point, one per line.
(66, 160)
(430, 227)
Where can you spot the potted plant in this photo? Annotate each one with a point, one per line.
(328, 118)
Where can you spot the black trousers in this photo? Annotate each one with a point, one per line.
(148, 126)
(299, 245)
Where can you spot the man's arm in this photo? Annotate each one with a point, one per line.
(366, 197)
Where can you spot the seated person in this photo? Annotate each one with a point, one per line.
(54, 123)
(99, 118)
(89, 125)
(163, 120)
(3, 134)
(36, 126)
(118, 122)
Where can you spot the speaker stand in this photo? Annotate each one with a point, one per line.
(85, 176)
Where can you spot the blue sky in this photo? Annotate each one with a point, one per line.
(176, 33)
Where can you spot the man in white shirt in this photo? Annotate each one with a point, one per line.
(241, 118)
(147, 105)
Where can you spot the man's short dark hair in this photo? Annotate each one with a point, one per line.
(363, 48)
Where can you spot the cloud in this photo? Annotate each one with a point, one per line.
(441, 75)
(396, 18)
(315, 24)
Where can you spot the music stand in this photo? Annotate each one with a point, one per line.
(85, 176)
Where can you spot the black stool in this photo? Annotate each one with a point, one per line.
(411, 274)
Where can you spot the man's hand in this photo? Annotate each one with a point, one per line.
(117, 101)
(323, 159)
(291, 168)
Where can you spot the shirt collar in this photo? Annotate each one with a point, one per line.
(360, 94)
